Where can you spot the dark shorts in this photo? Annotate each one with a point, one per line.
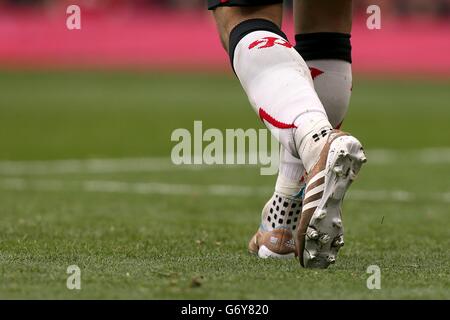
(212, 4)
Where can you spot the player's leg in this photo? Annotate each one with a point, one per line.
(274, 237)
(324, 43)
(281, 213)
(323, 39)
(322, 29)
(228, 14)
(274, 76)
(279, 86)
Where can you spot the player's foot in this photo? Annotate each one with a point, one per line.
(320, 232)
(277, 232)
(278, 243)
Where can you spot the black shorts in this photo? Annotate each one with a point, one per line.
(212, 4)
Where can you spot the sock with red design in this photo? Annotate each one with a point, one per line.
(279, 86)
(328, 55)
(333, 83)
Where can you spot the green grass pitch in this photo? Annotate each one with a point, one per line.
(133, 237)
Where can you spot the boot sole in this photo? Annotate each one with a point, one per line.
(325, 233)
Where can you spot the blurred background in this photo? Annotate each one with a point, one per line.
(86, 118)
(134, 54)
(177, 34)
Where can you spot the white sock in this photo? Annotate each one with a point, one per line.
(281, 212)
(284, 207)
(333, 84)
(279, 86)
(290, 173)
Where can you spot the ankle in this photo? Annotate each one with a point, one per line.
(310, 144)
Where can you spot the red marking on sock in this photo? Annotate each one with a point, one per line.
(269, 42)
(280, 125)
(315, 72)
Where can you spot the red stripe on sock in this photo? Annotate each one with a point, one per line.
(280, 125)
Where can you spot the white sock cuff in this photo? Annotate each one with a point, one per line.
(290, 173)
(248, 26)
(286, 187)
(307, 123)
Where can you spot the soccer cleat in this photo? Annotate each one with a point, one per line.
(312, 234)
(277, 243)
(320, 230)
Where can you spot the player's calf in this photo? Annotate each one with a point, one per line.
(228, 14)
(328, 55)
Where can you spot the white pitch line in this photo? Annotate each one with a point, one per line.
(420, 156)
(107, 186)
(87, 166)
(98, 166)
(161, 164)
(382, 195)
